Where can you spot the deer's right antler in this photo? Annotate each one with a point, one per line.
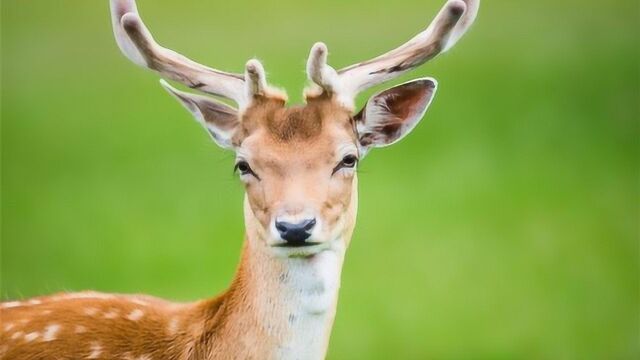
(137, 44)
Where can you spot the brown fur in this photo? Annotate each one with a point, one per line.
(88, 322)
(297, 123)
(226, 326)
(295, 151)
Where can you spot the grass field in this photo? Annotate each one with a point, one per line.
(504, 227)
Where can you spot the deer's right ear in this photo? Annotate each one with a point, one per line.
(220, 120)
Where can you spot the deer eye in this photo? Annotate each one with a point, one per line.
(244, 169)
(348, 161)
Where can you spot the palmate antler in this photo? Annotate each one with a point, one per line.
(137, 44)
(445, 30)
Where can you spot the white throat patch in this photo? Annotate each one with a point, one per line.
(312, 285)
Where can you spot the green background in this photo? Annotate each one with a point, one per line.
(504, 227)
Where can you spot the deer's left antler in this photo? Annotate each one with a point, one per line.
(445, 30)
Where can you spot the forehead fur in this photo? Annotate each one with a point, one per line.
(296, 123)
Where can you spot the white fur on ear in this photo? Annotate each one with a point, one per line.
(391, 114)
(220, 120)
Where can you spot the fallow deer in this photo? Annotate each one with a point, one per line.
(298, 165)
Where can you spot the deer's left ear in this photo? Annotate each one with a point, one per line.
(391, 114)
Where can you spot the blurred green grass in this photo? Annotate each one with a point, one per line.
(504, 227)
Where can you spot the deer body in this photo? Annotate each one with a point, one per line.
(288, 316)
(298, 167)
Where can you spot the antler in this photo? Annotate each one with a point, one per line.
(137, 44)
(445, 30)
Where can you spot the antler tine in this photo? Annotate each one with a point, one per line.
(446, 29)
(464, 23)
(137, 44)
(256, 83)
(319, 71)
(255, 78)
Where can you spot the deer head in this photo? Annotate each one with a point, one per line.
(298, 164)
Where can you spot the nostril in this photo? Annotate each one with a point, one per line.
(281, 226)
(309, 224)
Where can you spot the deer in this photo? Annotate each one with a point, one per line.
(298, 168)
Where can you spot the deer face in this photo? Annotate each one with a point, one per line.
(298, 164)
(299, 168)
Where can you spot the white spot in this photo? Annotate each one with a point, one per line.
(90, 311)
(111, 314)
(46, 312)
(8, 326)
(173, 325)
(31, 336)
(89, 295)
(10, 304)
(80, 329)
(96, 350)
(16, 335)
(135, 315)
(82, 295)
(139, 302)
(34, 302)
(50, 332)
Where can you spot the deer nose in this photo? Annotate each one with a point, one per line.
(295, 233)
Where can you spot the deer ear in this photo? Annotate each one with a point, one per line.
(391, 114)
(220, 120)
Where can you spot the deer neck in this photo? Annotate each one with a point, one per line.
(277, 307)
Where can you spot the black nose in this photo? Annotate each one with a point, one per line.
(295, 234)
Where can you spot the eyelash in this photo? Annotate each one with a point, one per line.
(244, 169)
(348, 162)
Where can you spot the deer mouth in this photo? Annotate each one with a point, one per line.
(303, 249)
(297, 244)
